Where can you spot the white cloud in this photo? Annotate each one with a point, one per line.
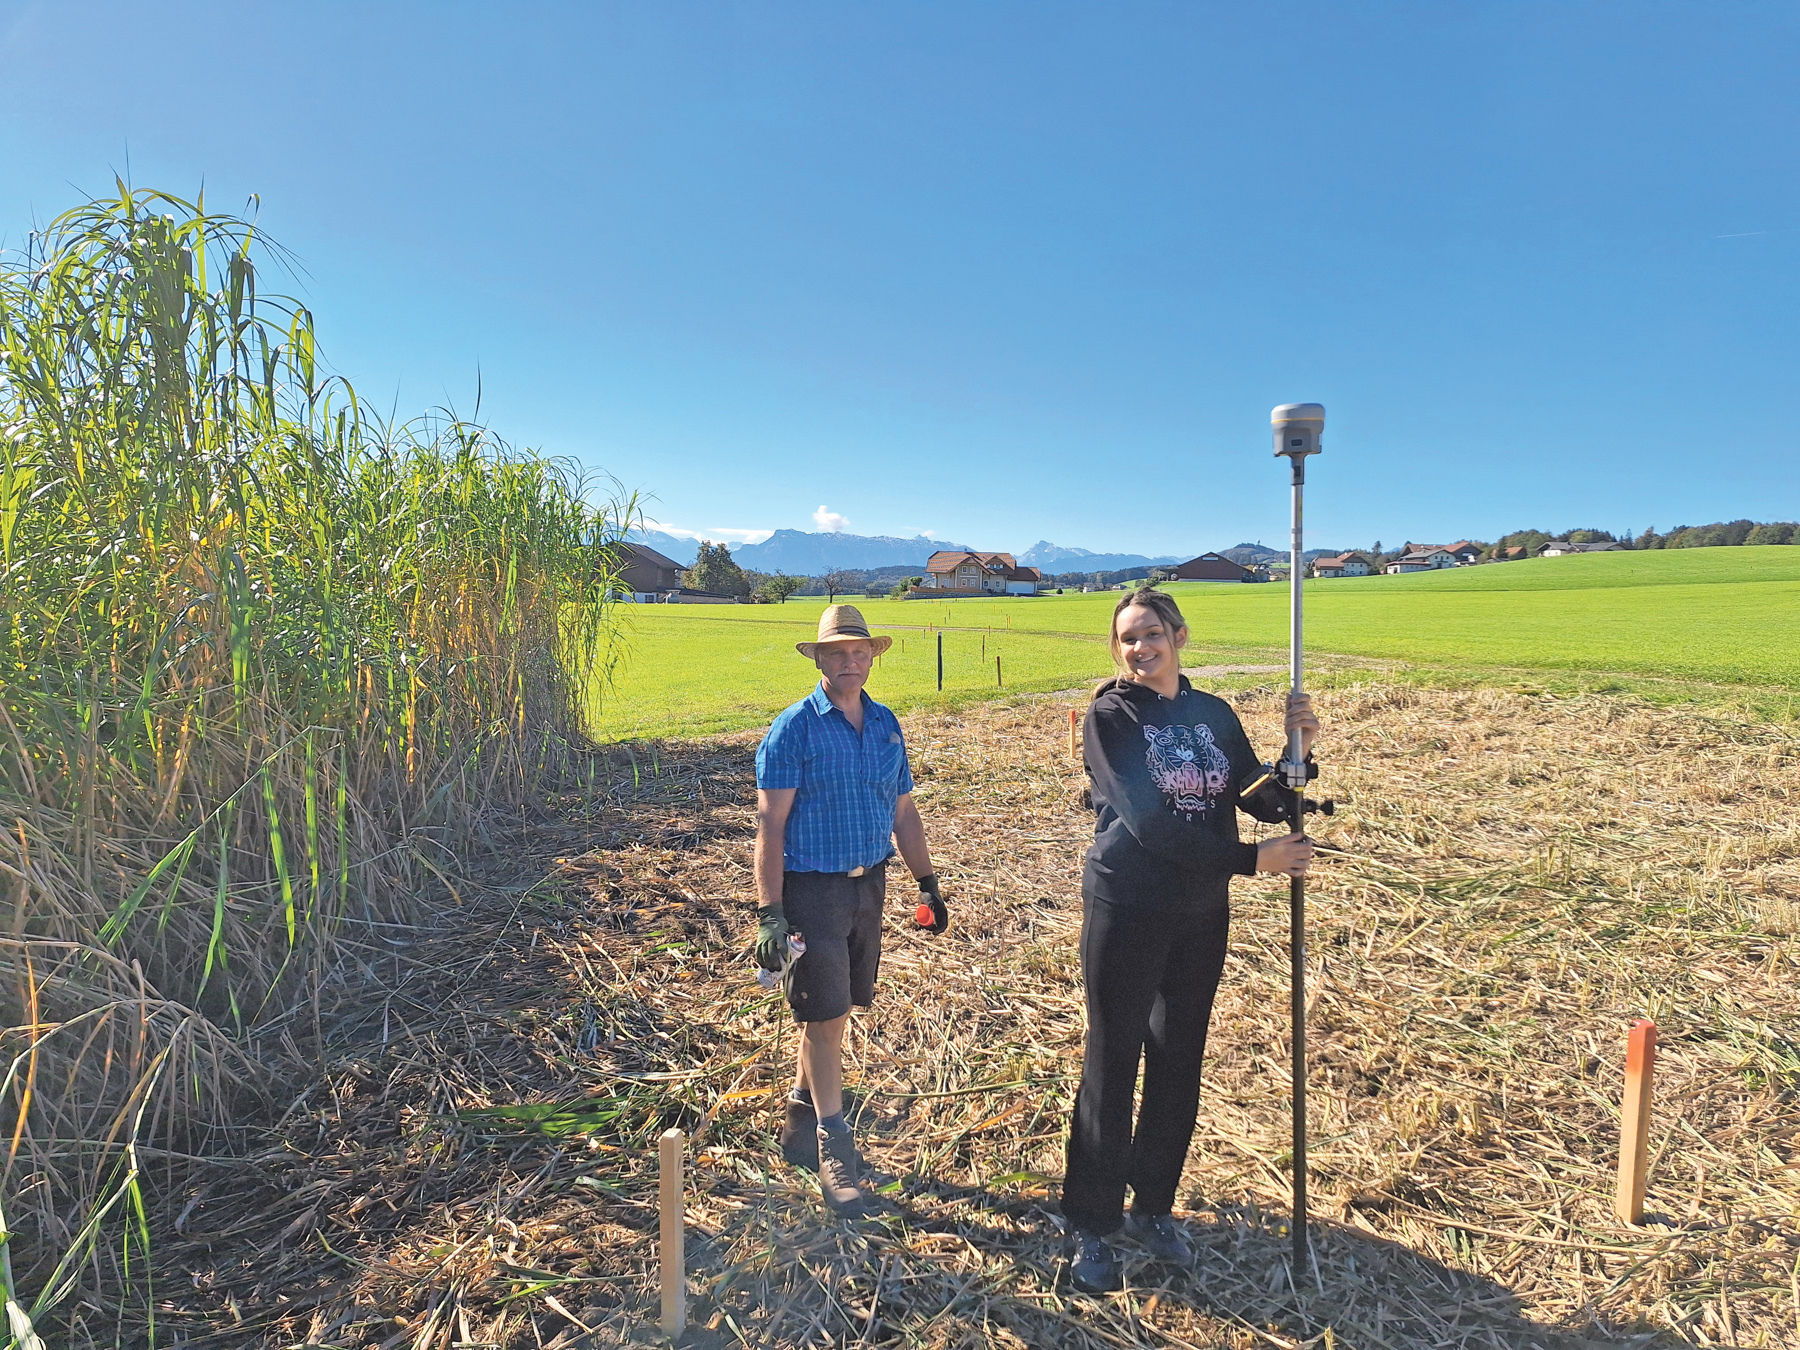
(716, 533)
(830, 521)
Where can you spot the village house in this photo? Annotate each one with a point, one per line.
(1210, 567)
(1511, 553)
(1556, 548)
(645, 576)
(956, 572)
(1463, 551)
(1425, 559)
(1343, 565)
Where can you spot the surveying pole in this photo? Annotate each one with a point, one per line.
(1297, 428)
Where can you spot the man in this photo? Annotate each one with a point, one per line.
(833, 797)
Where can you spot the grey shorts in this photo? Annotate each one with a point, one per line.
(840, 918)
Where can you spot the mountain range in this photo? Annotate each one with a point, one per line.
(1051, 558)
(803, 554)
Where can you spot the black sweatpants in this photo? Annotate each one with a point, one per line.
(1150, 972)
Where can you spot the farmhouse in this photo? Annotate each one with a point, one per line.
(1344, 565)
(1556, 548)
(1426, 559)
(1463, 550)
(954, 572)
(645, 576)
(1211, 567)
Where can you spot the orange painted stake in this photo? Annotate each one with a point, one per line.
(1074, 735)
(1634, 1124)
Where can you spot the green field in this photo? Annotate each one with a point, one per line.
(1681, 618)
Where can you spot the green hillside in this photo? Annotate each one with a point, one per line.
(1725, 616)
(1599, 571)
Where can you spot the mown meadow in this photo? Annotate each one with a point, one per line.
(1712, 623)
(271, 668)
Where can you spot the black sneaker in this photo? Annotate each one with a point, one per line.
(800, 1135)
(1162, 1237)
(1094, 1268)
(840, 1173)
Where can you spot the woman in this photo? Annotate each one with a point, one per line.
(1165, 763)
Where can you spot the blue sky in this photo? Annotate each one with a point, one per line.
(1003, 272)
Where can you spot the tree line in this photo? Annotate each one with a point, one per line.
(1719, 534)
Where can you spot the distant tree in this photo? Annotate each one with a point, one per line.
(1779, 532)
(714, 571)
(1098, 581)
(903, 587)
(837, 580)
(1695, 536)
(1529, 540)
(776, 588)
(1648, 539)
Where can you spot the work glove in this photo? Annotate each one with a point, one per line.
(771, 937)
(933, 902)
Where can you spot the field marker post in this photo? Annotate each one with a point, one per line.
(1074, 726)
(673, 1247)
(1634, 1121)
(940, 663)
(999, 683)
(1298, 428)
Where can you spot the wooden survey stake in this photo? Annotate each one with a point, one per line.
(674, 1234)
(1634, 1122)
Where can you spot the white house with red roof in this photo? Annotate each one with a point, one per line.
(1464, 551)
(953, 572)
(1343, 565)
(1421, 558)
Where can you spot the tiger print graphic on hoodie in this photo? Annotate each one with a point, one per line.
(1163, 777)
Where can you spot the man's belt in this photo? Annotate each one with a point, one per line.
(858, 871)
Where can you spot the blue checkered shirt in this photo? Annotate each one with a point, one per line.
(845, 784)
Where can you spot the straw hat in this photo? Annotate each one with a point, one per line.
(842, 623)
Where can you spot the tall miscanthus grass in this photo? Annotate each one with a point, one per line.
(268, 665)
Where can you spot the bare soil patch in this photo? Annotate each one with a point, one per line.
(1521, 877)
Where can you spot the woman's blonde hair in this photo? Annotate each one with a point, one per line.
(1160, 602)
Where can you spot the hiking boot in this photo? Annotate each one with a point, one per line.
(1162, 1237)
(1094, 1268)
(840, 1169)
(800, 1134)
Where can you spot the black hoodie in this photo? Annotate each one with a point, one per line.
(1165, 774)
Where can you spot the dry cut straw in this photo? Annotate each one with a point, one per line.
(1517, 878)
